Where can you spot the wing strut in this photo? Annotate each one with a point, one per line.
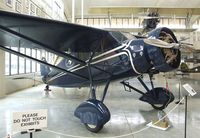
(42, 62)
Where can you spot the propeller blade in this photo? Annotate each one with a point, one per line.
(163, 44)
(188, 47)
(189, 44)
(159, 43)
(184, 39)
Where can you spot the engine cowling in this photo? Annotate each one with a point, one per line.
(164, 59)
(145, 57)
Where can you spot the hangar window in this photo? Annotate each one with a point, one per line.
(172, 21)
(28, 62)
(78, 21)
(137, 22)
(15, 65)
(38, 53)
(102, 22)
(161, 21)
(7, 63)
(165, 22)
(131, 21)
(51, 58)
(176, 21)
(107, 24)
(85, 21)
(57, 10)
(38, 11)
(90, 22)
(96, 22)
(125, 22)
(27, 3)
(113, 22)
(182, 22)
(9, 3)
(22, 62)
(47, 56)
(33, 54)
(32, 9)
(119, 22)
(18, 7)
(14, 62)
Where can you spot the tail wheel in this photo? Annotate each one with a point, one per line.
(93, 128)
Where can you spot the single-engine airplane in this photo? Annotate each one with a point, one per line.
(89, 57)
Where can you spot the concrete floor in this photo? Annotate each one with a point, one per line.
(128, 114)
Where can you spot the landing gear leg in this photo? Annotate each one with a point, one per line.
(93, 113)
(105, 90)
(158, 97)
(92, 88)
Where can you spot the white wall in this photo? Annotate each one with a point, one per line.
(16, 83)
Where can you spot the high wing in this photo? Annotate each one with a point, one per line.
(60, 36)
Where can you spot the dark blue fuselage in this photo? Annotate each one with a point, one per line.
(132, 58)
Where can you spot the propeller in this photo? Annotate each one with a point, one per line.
(163, 44)
(148, 17)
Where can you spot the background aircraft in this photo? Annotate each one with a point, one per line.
(192, 60)
(185, 69)
(89, 57)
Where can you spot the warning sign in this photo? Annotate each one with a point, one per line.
(189, 89)
(34, 119)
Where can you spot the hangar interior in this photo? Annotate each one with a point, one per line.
(21, 82)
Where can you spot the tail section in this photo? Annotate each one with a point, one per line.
(44, 70)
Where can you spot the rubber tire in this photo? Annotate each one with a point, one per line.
(163, 106)
(95, 129)
(159, 107)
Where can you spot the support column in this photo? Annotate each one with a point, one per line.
(73, 11)
(82, 11)
(2, 73)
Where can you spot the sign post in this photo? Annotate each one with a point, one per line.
(191, 92)
(185, 134)
(29, 121)
(179, 94)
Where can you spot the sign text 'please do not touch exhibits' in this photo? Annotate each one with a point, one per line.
(35, 119)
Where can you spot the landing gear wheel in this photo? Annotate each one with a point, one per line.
(158, 98)
(158, 106)
(162, 106)
(94, 128)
